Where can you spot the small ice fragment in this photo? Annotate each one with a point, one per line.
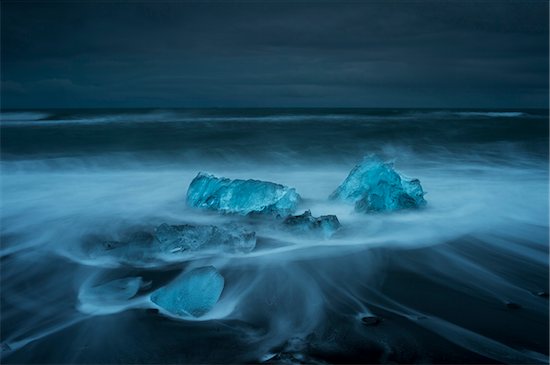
(135, 248)
(115, 290)
(241, 196)
(374, 186)
(193, 293)
(108, 297)
(327, 224)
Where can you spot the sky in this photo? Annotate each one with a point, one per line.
(444, 53)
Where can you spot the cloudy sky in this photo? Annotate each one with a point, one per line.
(443, 53)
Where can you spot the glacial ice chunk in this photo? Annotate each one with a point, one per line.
(241, 196)
(190, 237)
(326, 224)
(171, 242)
(192, 294)
(374, 186)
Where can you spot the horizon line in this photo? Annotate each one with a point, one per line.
(266, 107)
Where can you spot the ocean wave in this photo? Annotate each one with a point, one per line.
(490, 114)
(164, 117)
(457, 114)
(43, 119)
(213, 116)
(22, 116)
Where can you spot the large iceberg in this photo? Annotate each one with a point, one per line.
(241, 196)
(326, 224)
(374, 186)
(192, 294)
(171, 242)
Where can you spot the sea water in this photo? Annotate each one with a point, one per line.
(463, 279)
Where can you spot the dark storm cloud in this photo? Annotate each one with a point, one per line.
(403, 53)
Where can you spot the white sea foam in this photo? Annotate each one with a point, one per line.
(289, 281)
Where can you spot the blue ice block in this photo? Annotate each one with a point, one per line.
(374, 186)
(192, 294)
(187, 237)
(241, 196)
(172, 242)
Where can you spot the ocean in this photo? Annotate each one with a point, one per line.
(462, 280)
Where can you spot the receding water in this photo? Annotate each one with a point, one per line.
(457, 281)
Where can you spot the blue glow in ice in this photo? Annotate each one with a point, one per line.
(241, 196)
(192, 294)
(374, 186)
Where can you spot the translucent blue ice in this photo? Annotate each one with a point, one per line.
(171, 243)
(241, 196)
(325, 224)
(192, 294)
(186, 237)
(374, 186)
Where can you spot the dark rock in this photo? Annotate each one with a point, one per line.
(512, 305)
(371, 320)
(294, 351)
(327, 224)
(6, 347)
